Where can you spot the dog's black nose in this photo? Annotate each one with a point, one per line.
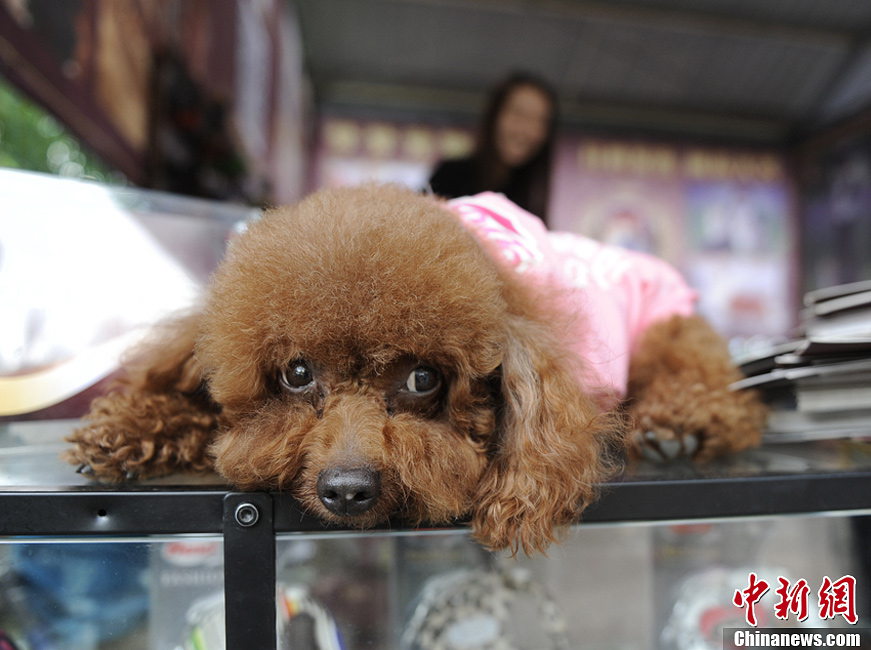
(349, 492)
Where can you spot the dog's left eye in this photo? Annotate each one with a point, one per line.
(422, 379)
(297, 377)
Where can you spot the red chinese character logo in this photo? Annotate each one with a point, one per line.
(748, 598)
(838, 599)
(792, 600)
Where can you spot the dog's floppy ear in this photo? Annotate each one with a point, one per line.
(549, 452)
(158, 419)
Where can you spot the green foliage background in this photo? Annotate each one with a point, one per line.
(32, 139)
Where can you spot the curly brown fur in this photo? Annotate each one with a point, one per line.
(157, 419)
(553, 451)
(679, 386)
(315, 330)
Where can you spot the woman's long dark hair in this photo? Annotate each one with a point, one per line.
(532, 179)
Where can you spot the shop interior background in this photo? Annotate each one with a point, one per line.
(720, 135)
(732, 137)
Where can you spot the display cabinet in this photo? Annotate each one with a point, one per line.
(181, 561)
(185, 563)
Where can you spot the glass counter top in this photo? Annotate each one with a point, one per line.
(30, 458)
(42, 494)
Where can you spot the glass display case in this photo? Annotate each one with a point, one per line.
(655, 564)
(184, 563)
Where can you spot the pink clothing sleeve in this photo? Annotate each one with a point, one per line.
(615, 293)
(656, 292)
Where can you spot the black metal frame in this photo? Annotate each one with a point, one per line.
(249, 521)
(249, 571)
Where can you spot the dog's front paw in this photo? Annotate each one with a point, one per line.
(127, 436)
(663, 444)
(105, 456)
(86, 470)
(698, 422)
(104, 453)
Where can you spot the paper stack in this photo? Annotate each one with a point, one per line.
(819, 386)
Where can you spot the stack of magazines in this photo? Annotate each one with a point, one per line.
(819, 386)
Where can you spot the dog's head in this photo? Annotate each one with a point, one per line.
(371, 358)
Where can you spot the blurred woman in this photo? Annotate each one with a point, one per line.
(514, 148)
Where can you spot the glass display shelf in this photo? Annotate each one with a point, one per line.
(663, 540)
(42, 495)
(606, 587)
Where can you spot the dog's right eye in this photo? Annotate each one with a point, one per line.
(297, 377)
(422, 379)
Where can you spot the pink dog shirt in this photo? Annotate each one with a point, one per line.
(616, 293)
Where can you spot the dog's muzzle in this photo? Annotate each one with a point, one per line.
(348, 492)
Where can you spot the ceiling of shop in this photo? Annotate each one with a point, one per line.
(736, 69)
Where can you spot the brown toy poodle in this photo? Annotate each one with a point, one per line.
(379, 358)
